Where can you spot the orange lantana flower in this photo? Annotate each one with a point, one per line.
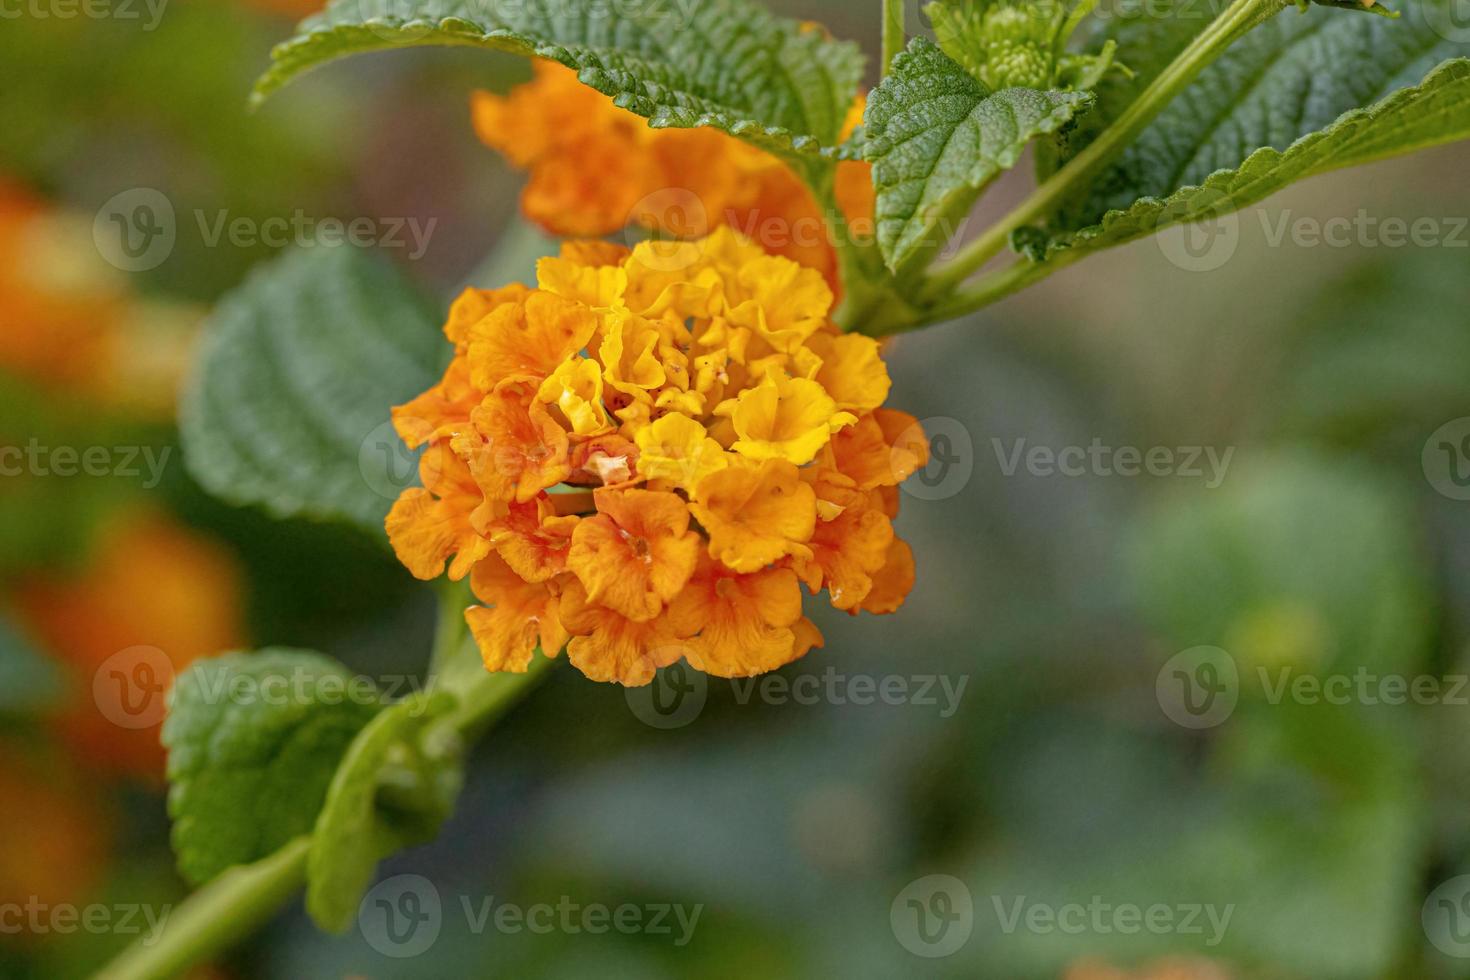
(756, 515)
(637, 553)
(745, 624)
(644, 457)
(608, 646)
(519, 617)
(436, 521)
(595, 169)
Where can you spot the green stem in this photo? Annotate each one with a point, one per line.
(449, 632)
(1233, 22)
(215, 917)
(894, 31)
(492, 695)
(990, 288)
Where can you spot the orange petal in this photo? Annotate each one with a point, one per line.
(521, 616)
(429, 524)
(637, 553)
(756, 515)
(846, 552)
(807, 637)
(607, 646)
(473, 305)
(603, 461)
(533, 540)
(568, 197)
(852, 370)
(744, 622)
(893, 582)
(910, 446)
(529, 339)
(861, 453)
(594, 253)
(442, 410)
(515, 449)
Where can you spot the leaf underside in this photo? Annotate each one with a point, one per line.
(729, 64)
(287, 406)
(1285, 103)
(937, 137)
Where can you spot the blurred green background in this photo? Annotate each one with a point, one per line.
(1325, 838)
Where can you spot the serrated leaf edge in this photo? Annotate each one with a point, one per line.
(1272, 159)
(455, 31)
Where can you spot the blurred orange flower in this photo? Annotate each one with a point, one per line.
(60, 312)
(595, 169)
(53, 844)
(69, 320)
(154, 593)
(1179, 968)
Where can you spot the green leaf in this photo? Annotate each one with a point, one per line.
(937, 137)
(1298, 96)
(388, 793)
(287, 406)
(253, 740)
(729, 64)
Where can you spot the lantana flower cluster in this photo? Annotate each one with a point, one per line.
(644, 458)
(595, 168)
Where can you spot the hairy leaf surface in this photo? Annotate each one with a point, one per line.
(937, 138)
(253, 740)
(287, 406)
(1300, 95)
(730, 64)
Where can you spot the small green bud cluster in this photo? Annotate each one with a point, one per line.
(1016, 43)
(1018, 46)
